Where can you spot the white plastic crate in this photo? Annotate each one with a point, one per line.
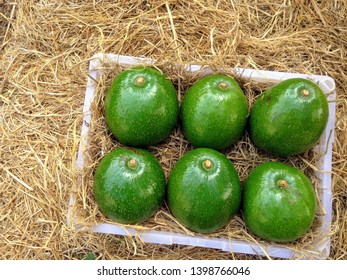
(320, 250)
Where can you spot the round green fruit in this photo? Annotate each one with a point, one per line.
(289, 118)
(129, 185)
(214, 112)
(141, 107)
(203, 190)
(279, 203)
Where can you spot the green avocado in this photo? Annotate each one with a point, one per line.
(203, 190)
(129, 185)
(278, 202)
(141, 107)
(289, 118)
(214, 112)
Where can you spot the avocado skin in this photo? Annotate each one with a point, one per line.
(203, 201)
(128, 195)
(141, 115)
(213, 117)
(275, 213)
(282, 122)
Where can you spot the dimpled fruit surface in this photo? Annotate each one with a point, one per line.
(278, 202)
(289, 118)
(129, 185)
(141, 107)
(214, 112)
(203, 190)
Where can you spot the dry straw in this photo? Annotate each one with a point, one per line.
(45, 47)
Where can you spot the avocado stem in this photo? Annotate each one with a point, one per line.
(223, 85)
(282, 183)
(140, 80)
(132, 164)
(305, 92)
(207, 164)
